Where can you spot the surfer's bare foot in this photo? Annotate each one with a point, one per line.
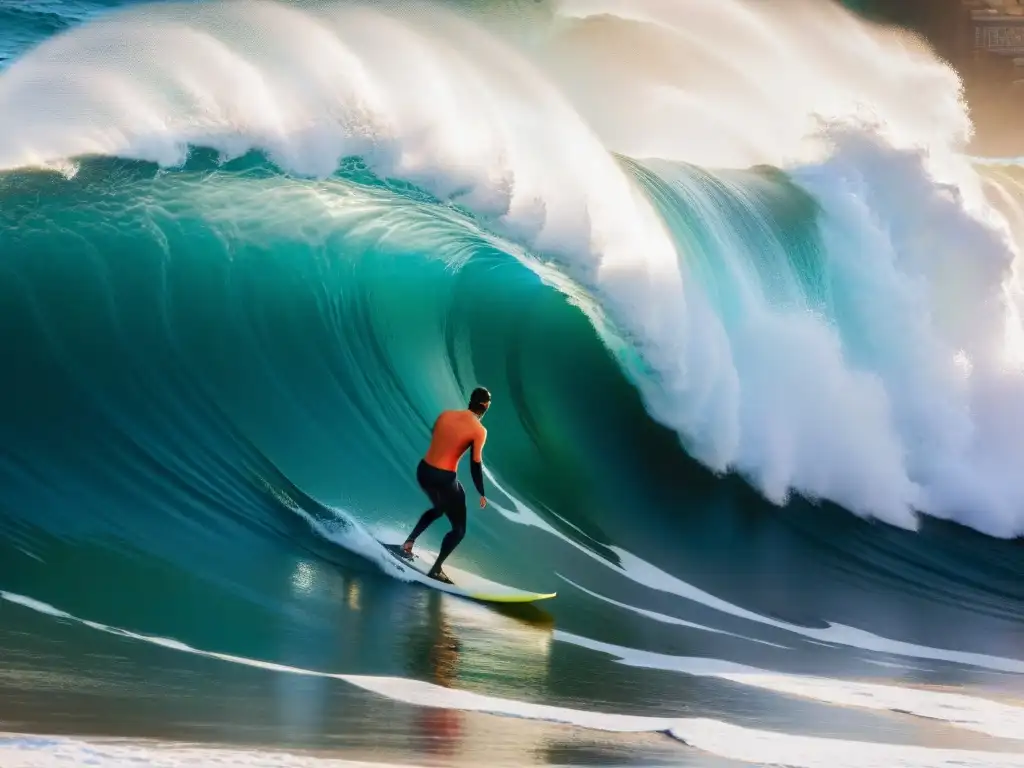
(440, 576)
(407, 547)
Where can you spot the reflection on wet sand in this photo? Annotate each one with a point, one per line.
(456, 643)
(434, 652)
(67, 678)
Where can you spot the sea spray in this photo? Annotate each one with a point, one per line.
(782, 388)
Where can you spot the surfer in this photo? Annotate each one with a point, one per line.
(453, 433)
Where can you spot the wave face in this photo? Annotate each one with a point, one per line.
(729, 315)
(839, 330)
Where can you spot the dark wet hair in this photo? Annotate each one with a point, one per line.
(479, 399)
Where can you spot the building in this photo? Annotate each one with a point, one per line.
(997, 32)
(993, 74)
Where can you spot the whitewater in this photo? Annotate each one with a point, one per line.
(749, 309)
(875, 365)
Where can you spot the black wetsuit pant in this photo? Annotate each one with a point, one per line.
(448, 498)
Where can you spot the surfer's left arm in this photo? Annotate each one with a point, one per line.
(476, 465)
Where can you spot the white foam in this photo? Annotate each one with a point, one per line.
(723, 739)
(970, 712)
(771, 748)
(420, 94)
(641, 572)
(506, 123)
(919, 268)
(898, 389)
(35, 605)
(346, 532)
(835, 634)
(858, 395)
(967, 712)
(33, 555)
(661, 79)
(743, 744)
(24, 751)
(664, 619)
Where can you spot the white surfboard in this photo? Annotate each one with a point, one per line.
(466, 584)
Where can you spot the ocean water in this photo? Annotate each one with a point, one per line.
(749, 309)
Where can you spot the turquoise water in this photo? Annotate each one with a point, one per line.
(755, 423)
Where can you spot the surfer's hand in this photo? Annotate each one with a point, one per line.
(483, 502)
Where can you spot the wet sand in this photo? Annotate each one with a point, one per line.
(75, 682)
(60, 678)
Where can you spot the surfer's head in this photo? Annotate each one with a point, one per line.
(479, 401)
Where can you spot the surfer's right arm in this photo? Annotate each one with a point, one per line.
(476, 465)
